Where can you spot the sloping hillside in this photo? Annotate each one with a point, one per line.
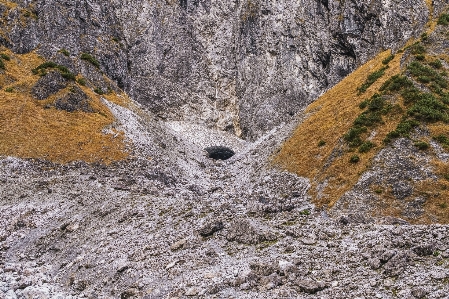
(349, 130)
(48, 113)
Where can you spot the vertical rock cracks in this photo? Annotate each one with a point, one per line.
(240, 66)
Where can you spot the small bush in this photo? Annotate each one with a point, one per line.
(371, 79)
(443, 19)
(428, 108)
(68, 76)
(436, 64)
(98, 91)
(89, 58)
(354, 159)
(304, 212)
(353, 136)
(424, 36)
(396, 83)
(366, 147)
(427, 74)
(321, 143)
(420, 57)
(411, 95)
(423, 79)
(65, 73)
(2, 65)
(5, 57)
(364, 104)
(81, 81)
(388, 59)
(65, 52)
(422, 145)
(9, 89)
(417, 48)
(403, 129)
(442, 139)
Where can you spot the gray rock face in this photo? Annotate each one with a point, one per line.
(240, 66)
(75, 100)
(48, 85)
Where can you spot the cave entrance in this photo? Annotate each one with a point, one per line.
(219, 152)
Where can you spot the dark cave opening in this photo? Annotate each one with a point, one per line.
(219, 152)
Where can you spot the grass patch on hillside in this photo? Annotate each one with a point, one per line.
(30, 130)
(41, 70)
(374, 76)
(331, 119)
(89, 58)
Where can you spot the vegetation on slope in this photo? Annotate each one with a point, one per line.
(367, 111)
(34, 129)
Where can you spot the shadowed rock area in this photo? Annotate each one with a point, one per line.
(219, 152)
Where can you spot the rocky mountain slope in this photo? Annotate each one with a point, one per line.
(106, 190)
(240, 66)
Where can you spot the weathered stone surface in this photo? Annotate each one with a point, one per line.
(75, 100)
(47, 85)
(210, 228)
(241, 66)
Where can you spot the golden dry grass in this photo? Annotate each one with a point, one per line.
(29, 130)
(329, 118)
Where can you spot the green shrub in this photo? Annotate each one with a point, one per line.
(443, 19)
(426, 74)
(65, 52)
(9, 89)
(436, 64)
(420, 57)
(396, 83)
(354, 159)
(321, 143)
(5, 57)
(64, 71)
(442, 139)
(417, 48)
(411, 95)
(353, 136)
(423, 79)
(371, 79)
(368, 119)
(304, 212)
(81, 81)
(68, 76)
(388, 59)
(364, 104)
(89, 58)
(424, 36)
(428, 108)
(2, 65)
(98, 91)
(422, 145)
(366, 147)
(403, 129)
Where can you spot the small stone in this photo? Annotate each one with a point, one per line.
(129, 293)
(424, 250)
(310, 286)
(192, 292)
(309, 240)
(178, 245)
(72, 227)
(419, 293)
(210, 228)
(171, 265)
